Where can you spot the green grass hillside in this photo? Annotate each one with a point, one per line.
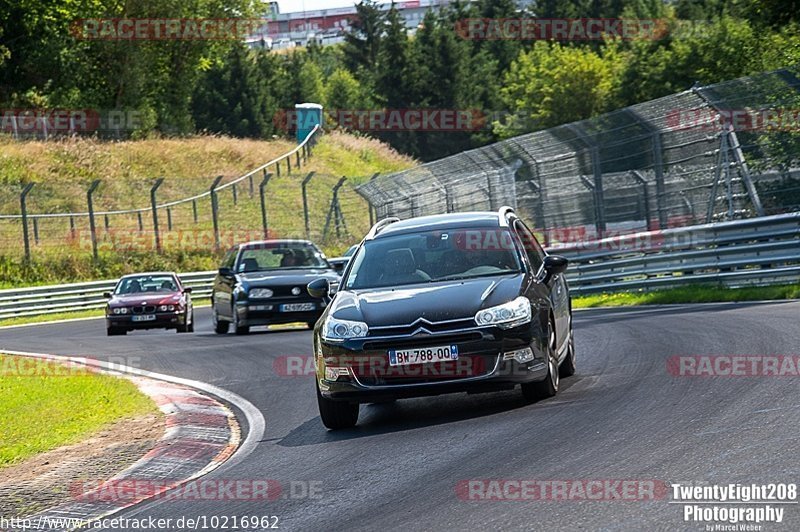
(62, 171)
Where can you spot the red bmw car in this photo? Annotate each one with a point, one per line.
(156, 300)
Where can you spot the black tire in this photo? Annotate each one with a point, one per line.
(548, 387)
(567, 368)
(188, 325)
(220, 327)
(337, 415)
(240, 330)
(116, 331)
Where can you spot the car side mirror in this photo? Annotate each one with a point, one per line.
(226, 272)
(319, 288)
(107, 295)
(554, 265)
(187, 290)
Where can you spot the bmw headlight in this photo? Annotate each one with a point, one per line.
(507, 315)
(334, 330)
(261, 293)
(166, 308)
(120, 310)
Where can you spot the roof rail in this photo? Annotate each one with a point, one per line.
(378, 227)
(503, 214)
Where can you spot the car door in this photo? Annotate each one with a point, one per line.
(224, 285)
(556, 286)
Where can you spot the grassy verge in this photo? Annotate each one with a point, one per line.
(62, 170)
(689, 294)
(47, 404)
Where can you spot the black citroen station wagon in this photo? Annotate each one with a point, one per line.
(440, 304)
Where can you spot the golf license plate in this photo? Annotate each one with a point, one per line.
(297, 307)
(145, 317)
(407, 357)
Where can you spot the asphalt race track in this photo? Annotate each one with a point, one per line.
(623, 416)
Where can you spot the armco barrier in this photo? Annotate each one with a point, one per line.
(756, 251)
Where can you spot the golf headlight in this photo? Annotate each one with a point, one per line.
(166, 308)
(506, 316)
(120, 310)
(334, 330)
(261, 293)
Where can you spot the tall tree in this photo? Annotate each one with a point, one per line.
(362, 42)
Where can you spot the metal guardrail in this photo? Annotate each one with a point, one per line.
(756, 251)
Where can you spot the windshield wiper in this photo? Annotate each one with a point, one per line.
(475, 276)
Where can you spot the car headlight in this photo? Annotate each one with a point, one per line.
(261, 293)
(166, 308)
(334, 330)
(507, 315)
(120, 310)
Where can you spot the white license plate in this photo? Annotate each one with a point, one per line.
(298, 307)
(145, 317)
(406, 357)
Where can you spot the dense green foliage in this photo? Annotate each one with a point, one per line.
(221, 86)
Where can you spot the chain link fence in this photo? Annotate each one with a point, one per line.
(713, 153)
(280, 199)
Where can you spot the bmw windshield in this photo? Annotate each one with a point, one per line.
(433, 256)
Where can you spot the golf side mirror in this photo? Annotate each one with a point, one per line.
(318, 288)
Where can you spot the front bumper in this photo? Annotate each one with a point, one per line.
(481, 366)
(270, 311)
(164, 320)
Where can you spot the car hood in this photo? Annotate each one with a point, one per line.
(145, 299)
(438, 301)
(285, 277)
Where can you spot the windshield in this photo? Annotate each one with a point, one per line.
(433, 256)
(264, 257)
(141, 284)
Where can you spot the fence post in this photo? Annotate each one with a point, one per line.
(72, 227)
(194, 210)
(154, 209)
(36, 230)
(373, 209)
(252, 186)
(106, 223)
(23, 204)
(289, 165)
(278, 168)
(235, 194)
(139, 219)
(306, 180)
(658, 166)
(92, 228)
(335, 211)
(215, 210)
(261, 187)
(297, 153)
(169, 219)
(642, 181)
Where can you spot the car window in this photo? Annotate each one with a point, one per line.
(275, 256)
(229, 260)
(432, 256)
(146, 284)
(532, 247)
